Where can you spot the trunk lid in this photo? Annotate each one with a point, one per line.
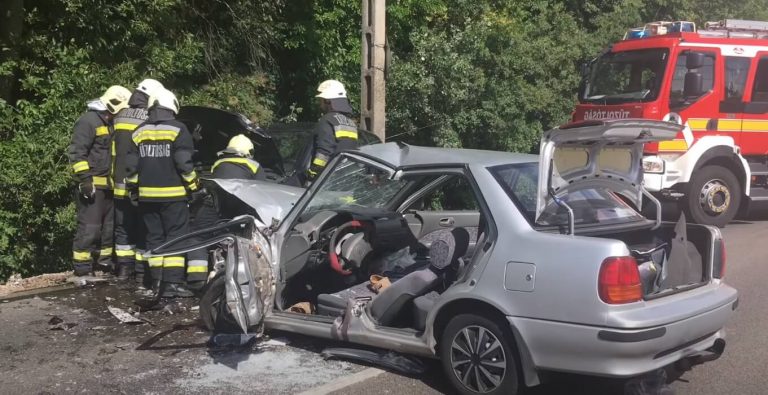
(596, 154)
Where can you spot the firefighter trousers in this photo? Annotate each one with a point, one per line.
(165, 221)
(197, 260)
(93, 237)
(129, 237)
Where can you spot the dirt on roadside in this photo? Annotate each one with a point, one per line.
(17, 284)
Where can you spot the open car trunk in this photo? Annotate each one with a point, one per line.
(674, 257)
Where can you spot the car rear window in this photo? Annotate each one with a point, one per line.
(590, 205)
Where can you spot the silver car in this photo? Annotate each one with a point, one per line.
(501, 265)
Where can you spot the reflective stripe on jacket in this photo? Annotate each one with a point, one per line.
(160, 161)
(125, 123)
(333, 133)
(89, 150)
(235, 167)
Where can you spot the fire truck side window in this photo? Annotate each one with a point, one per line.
(736, 70)
(760, 90)
(707, 71)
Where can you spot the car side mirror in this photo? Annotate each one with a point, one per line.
(694, 60)
(584, 69)
(694, 85)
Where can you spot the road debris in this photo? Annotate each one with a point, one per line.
(386, 359)
(123, 316)
(58, 324)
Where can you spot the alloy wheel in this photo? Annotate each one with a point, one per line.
(478, 359)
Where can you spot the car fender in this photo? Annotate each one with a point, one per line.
(527, 365)
(705, 149)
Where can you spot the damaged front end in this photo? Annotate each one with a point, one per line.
(245, 282)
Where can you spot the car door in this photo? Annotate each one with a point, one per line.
(451, 205)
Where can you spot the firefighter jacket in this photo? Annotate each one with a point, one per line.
(89, 151)
(125, 123)
(160, 161)
(333, 133)
(231, 166)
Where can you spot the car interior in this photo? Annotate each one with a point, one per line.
(400, 256)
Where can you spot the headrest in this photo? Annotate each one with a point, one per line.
(448, 247)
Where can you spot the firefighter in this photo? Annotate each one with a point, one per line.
(89, 155)
(129, 233)
(335, 131)
(236, 162)
(160, 178)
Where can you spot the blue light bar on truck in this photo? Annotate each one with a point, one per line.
(659, 28)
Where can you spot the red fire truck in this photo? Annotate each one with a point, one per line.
(714, 82)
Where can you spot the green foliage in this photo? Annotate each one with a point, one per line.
(213, 53)
(485, 77)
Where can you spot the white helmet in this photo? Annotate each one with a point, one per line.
(149, 86)
(331, 89)
(164, 98)
(115, 98)
(241, 145)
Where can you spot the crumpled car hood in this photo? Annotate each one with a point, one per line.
(271, 201)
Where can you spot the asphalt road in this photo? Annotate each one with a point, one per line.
(90, 352)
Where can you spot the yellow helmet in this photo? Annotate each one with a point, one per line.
(331, 89)
(115, 98)
(241, 145)
(164, 98)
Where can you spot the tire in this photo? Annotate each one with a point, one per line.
(213, 308)
(714, 196)
(497, 369)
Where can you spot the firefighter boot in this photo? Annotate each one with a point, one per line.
(125, 272)
(151, 298)
(195, 286)
(175, 290)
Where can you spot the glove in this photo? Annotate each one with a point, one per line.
(313, 171)
(86, 189)
(133, 194)
(197, 196)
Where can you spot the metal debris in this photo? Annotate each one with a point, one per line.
(386, 359)
(123, 316)
(58, 324)
(232, 339)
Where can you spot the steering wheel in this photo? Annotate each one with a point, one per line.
(333, 256)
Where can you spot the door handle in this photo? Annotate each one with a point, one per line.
(447, 222)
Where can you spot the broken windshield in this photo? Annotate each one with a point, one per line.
(622, 77)
(353, 183)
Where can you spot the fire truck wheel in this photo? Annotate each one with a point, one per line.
(714, 196)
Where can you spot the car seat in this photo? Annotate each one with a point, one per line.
(444, 252)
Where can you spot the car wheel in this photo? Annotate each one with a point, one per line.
(714, 196)
(478, 357)
(213, 307)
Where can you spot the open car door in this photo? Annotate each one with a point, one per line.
(596, 154)
(247, 267)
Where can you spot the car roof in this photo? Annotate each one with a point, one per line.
(404, 155)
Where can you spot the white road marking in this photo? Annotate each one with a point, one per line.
(344, 382)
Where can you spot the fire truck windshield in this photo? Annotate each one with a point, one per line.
(623, 77)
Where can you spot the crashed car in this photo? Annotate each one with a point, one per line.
(502, 265)
(277, 148)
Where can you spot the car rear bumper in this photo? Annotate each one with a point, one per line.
(614, 352)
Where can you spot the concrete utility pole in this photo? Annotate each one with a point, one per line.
(374, 62)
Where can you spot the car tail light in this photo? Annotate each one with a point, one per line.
(619, 281)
